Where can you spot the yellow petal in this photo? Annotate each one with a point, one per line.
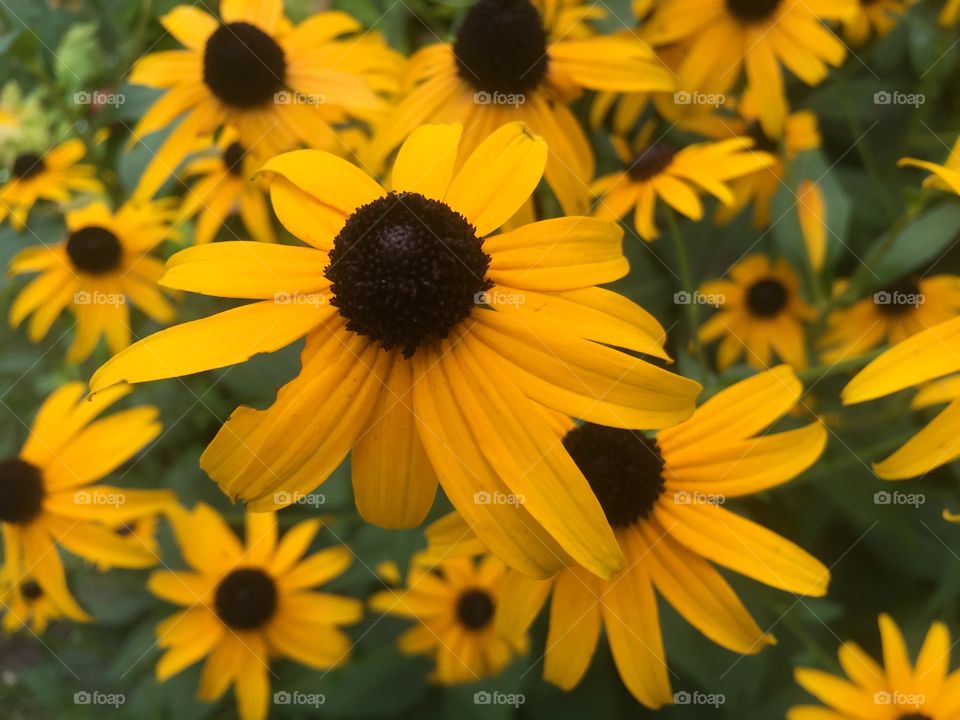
(426, 161)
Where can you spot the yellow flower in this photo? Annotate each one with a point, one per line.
(760, 314)
(873, 17)
(896, 690)
(455, 603)
(103, 264)
(892, 314)
(53, 176)
(432, 341)
(47, 495)
(517, 60)
(226, 185)
(928, 355)
(279, 84)
(944, 177)
(245, 604)
(950, 12)
(678, 176)
(812, 214)
(761, 36)
(664, 496)
(25, 604)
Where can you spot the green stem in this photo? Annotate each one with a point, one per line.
(690, 288)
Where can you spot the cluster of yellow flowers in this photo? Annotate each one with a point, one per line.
(457, 335)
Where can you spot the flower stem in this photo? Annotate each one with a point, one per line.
(690, 288)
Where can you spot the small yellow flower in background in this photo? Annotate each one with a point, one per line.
(897, 689)
(55, 176)
(139, 533)
(677, 176)
(25, 604)
(454, 603)
(944, 177)
(873, 17)
(901, 309)
(760, 314)
(664, 497)
(247, 603)
(761, 37)
(103, 265)
(422, 354)
(929, 355)
(224, 185)
(517, 60)
(48, 496)
(280, 85)
(812, 212)
(950, 13)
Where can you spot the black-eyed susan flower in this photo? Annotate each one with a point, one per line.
(224, 184)
(896, 312)
(55, 176)
(895, 689)
(280, 85)
(929, 355)
(140, 533)
(432, 341)
(49, 495)
(678, 176)
(518, 60)
(100, 269)
(26, 605)
(760, 314)
(760, 37)
(454, 603)
(664, 496)
(247, 603)
(873, 18)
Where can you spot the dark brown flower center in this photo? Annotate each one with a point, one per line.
(243, 66)
(761, 141)
(501, 47)
(94, 250)
(31, 591)
(475, 609)
(651, 162)
(21, 491)
(246, 599)
(767, 298)
(233, 158)
(404, 270)
(624, 469)
(915, 716)
(752, 11)
(899, 298)
(26, 165)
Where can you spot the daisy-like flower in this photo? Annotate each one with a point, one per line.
(760, 314)
(517, 60)
(873, 18)
(677, 176)
(140, 533)
(432, 343)
(455, 603)
(929, 355)
(224, 184)
(664, 497)
(245, 604)
(761, 36)
(54, 176)
(943, 177)
(896, 690)
(25, 604)
(896, 312)
(48, 496)
(101, 268)
(279, 84)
